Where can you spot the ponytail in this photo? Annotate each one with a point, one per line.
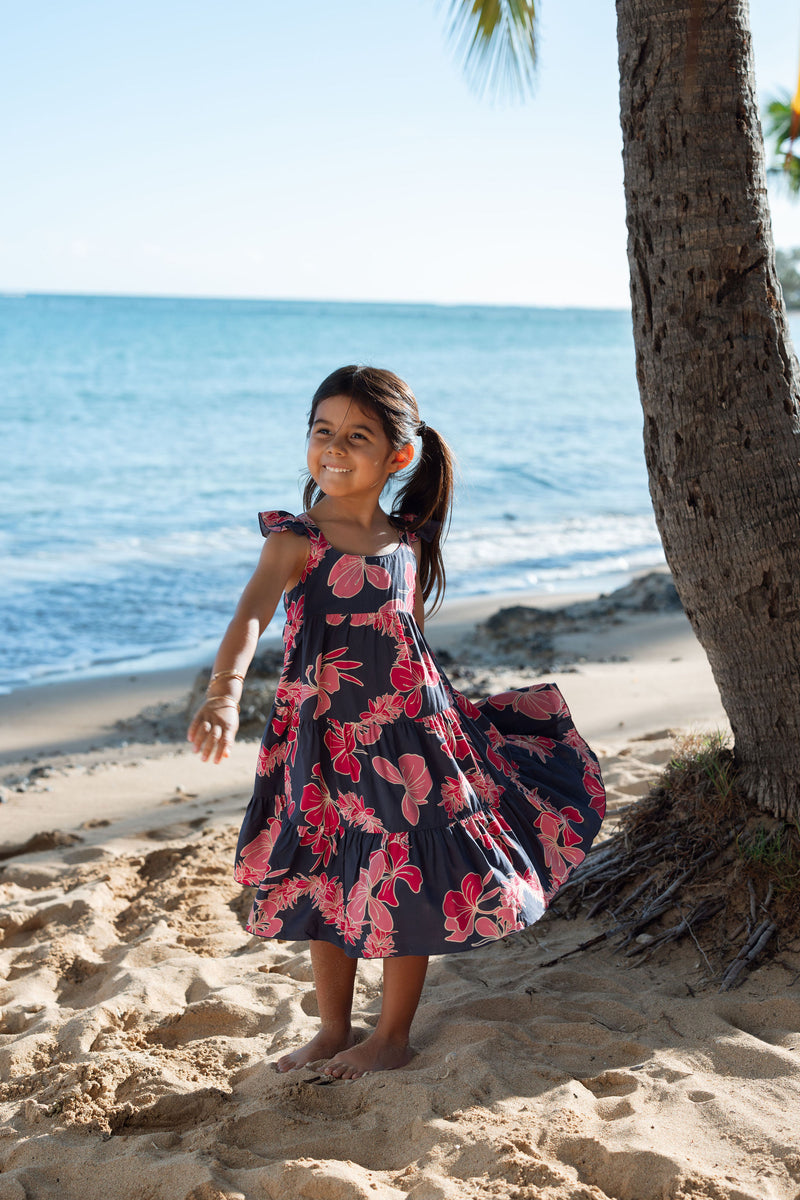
(428, 495)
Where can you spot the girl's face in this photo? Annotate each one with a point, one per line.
(349, 455)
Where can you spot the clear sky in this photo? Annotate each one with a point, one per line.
(318, 150)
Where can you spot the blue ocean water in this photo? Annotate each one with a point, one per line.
(141, 436)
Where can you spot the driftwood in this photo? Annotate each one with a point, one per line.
(639, 881)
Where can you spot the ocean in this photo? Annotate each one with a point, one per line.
(141, 437)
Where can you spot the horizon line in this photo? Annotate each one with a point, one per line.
(25, 293)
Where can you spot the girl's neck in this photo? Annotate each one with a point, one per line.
(354, 529)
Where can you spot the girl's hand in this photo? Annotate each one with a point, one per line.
(213, 730)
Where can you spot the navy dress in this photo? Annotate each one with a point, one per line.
(392, 815)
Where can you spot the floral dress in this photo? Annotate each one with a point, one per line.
(391, 815)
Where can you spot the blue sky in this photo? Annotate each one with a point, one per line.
(318, 150)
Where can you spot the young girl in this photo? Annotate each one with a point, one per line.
(392, 818)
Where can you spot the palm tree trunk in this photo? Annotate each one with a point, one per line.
(716, 370)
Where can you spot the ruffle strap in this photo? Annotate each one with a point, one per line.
(280, 521)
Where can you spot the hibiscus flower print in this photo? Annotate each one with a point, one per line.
(322, 816)
(541, 703)
(349, 573)
(560, 843)
(477, 908)
(397, 869)
(595, 791)
(410, 676)
(413, 775)
(294, 620)
(326, 675)
(341, 741)
(254, 857)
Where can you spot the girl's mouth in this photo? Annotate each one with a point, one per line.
(338, 470)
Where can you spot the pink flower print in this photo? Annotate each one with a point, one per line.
(327, 677)
(264, 920)
(447, 728)
(378, 945)
(384, 620)
(270, 757)
(467, 707)
(410, 676)
(322, 815)
(410, 580)
(360, 898)
(540, 703)
(552, 827)
(341, 741)
(413, 775)
(485, 787)
(455, 795)
(541, 747)
(383, 710)
(335, 618)
(354, 810)
(317, 548)
(476, 826)
(294, 619)
(397, 869)
(255, 855)
(347, 575)
(462, 907)
(595, 791)
(498, 760)
(574, 739)
(326, 895)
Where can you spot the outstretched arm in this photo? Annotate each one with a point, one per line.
(214, 725)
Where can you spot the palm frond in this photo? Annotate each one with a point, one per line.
(784, 168)
(496, 43)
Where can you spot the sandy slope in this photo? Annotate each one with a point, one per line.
(139, 1020)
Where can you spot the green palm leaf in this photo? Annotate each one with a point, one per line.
(785, 165)
(496, 42)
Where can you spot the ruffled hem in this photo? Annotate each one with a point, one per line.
(437, 889)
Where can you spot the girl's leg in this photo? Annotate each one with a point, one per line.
(334, 979)
(387, 1047)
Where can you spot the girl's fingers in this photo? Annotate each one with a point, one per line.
(211, 738)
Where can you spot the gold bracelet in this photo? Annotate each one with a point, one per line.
(226, 675)
(227, 702)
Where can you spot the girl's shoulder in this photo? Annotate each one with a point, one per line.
(280, 521)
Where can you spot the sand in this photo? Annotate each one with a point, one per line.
(140, 1020)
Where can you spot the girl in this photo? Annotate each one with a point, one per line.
(391, 818)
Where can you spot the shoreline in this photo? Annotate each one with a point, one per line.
(75, 716)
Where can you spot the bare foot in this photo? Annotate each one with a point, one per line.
(375, 1054)
(323, 1045)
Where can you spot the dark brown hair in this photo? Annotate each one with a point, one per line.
(427, 493)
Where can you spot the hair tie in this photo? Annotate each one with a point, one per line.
(421, 429)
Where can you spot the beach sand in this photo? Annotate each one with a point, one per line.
(140, 1020)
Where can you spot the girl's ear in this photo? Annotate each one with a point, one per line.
(402, 457)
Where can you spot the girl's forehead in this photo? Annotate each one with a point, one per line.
(343, 409)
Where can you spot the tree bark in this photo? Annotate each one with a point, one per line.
(717, 374)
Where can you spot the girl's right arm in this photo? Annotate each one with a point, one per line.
(214, 725)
